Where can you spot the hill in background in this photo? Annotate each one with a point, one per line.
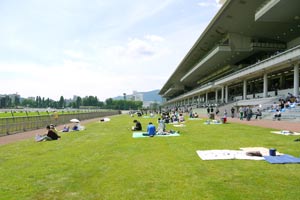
(147, 96)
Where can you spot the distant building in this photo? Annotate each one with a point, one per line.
(12, 97)
(75, 97)
(8, 100)
(136, 96)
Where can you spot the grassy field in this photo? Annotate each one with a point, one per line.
(105, 162)
(32, 113)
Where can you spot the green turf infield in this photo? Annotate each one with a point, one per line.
(105, 162)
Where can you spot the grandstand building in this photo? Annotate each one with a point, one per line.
(250, 50)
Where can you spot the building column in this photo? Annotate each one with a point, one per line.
(296, 80)
(222, 94)
(265, 91)
(206, 97)
(226, 94)
(216, 96)
(245, 90)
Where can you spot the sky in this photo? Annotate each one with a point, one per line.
(103, 48)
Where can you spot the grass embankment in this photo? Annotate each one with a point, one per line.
(105, 162)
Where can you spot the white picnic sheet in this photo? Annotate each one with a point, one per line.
(226, 155)
(212, 122)
(235, 154)
(285, 132)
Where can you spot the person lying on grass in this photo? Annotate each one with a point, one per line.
(51, 135)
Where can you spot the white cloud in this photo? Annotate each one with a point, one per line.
(154, 38)
(209, 3)
(73, 54)
(137, 50)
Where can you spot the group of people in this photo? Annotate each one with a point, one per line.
(173, 117)
(52, 132)
(247, 112)
(151, 128)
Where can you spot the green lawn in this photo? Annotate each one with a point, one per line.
(22, 113)
(105, 162)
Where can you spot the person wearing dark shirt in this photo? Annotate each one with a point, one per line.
(51, 135)
(138, 125)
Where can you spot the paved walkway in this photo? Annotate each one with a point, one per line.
(279, 125)
(276, 125)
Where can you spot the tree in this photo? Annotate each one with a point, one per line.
(17, 101)
(28, 103)
(61, 103)
(78, 102)
(109, 103)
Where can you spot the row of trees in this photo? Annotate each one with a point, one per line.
(88, 101)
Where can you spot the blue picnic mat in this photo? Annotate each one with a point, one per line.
(140, 135)
(282, 159)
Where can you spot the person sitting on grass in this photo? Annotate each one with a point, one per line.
(161, 124)
(138, 125)
(151, 130)
(66, 128)
(52, 127)
(51, 135)
(181, 118)
(76, 127)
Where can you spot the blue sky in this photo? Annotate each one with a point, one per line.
(53, 48)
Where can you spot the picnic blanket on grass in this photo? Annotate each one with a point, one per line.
(208, 122)
(226, 155)
(285, 132)
(140, 135)
(282, 159)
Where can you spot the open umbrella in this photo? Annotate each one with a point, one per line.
(74, 120)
